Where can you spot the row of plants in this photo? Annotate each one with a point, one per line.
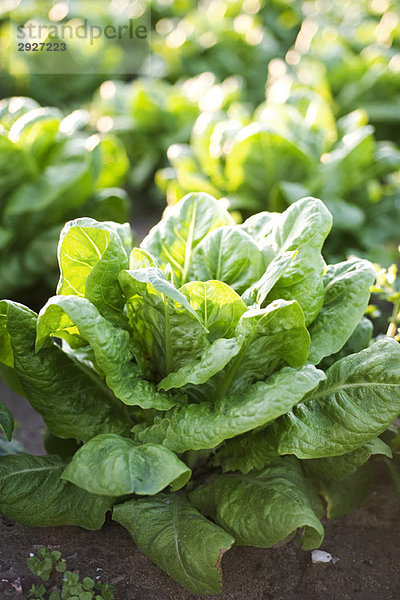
(289, 147)
(71, 77)
(210, 386)
(186, 38)
(351, 48)
(57, 166)
(225, 38)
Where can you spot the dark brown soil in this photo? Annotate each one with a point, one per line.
(365, 542)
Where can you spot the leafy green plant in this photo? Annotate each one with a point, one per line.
(230, 37)
(351, 51)
(49, 565)
(348, 50)
(292, 146)
(73, 78)
(50, 171)
(148, 115)
(46, 562)
(37, 592)
(192, 375)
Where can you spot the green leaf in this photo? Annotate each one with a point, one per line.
(13, 166)
(265, 339)
(32, 493)
(335, 468)
(252, 450)
(178, 234)
(55, 445)
(109, 204)
(347, 292)
(37, 130)
(345, 166)
(154, 277)
(11, 379)
(111, 465)
(218, 306)
(255, 449)
(260, 225)
(206, 425)
(264, 507)
(285, 193)
(6, 353)
(111, 347)
(359, 340)
(345, 495)
(113, 153)
(140, 259)
(214, 359)
(267, 336)
(228, 254)
(303, 227)
(73, 403)
(11, 110)
(260, 157)
(166, 331)
(346, 216)
(259, 290)
(42, 202)
(91, 256)
(6, 421)
(356, 402)
(7, 358)
(178, 539)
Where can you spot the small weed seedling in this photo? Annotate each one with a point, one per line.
(50, 567)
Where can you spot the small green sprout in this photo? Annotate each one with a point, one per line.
(48, 564)
(37, 592)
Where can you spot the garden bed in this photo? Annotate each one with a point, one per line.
(365, 542)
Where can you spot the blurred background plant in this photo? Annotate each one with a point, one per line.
(51, 170)
(150, 114)
(224, 37)
(292, 146)
(353, 49)
(93, 62)
(386, 300)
